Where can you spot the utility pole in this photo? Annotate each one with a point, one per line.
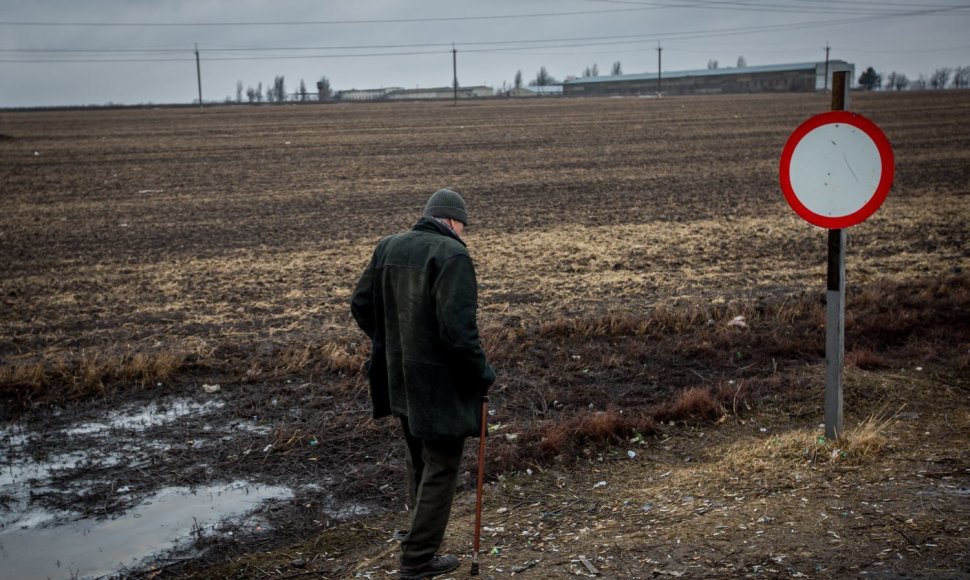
(659, 69)
(826, 67)
(454, 69)
(198, 73)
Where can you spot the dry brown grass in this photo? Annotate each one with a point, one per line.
(859, 444)
(631, 253)
(568, 438)
(694, 404)
(866, 359)
(86, 374)
(869, 437)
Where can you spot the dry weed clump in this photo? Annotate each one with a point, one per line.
(569, 438)
(869, 437)
(332, 357)
(337, 358)
(503, 343)
(806, 447)
(694, 404)
(94, 371)
(160, 366)
(866, 359)
(610, 325)
(661, 319)
(85, 374)
(27, 375)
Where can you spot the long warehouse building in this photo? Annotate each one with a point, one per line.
(781, 78)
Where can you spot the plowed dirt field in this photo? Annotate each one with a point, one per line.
(652, 305)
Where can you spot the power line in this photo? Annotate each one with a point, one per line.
(801, 7)
(326, 22)
(479, 46)
(847, 7)
(473, 47)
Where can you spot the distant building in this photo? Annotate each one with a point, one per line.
(537, 91)
(398, 93)
(364, 95)
(441, 93)
(782, 78)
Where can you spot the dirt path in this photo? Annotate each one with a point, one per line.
(757, 495)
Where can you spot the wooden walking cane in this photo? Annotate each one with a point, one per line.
(478, 490)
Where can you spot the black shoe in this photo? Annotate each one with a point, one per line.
(433, 567)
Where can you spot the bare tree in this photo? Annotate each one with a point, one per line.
(617, 69)
(239, 91)
(251, 94)
(279, 89)
(712, 64)
(920, 83)
(518, 79)
(323, 89)
(303, 96)
(961, 77)
(543, 78)
(259, 92)
(595, 71)
(742, 62)
(940, 77)
(896, 81)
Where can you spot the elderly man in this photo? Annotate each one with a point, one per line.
(417, 301)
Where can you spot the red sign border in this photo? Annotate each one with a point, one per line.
(882, 188)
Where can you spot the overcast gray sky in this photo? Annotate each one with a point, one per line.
(57, 52)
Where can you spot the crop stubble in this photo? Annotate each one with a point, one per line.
(162, 228)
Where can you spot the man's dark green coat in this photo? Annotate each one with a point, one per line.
(417, 301)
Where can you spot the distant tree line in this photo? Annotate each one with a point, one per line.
(870, 79)
(942, 78)
(276, 92)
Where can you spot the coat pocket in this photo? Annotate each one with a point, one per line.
(435, 406)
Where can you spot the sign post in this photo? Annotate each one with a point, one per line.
(834, 333)
(835, 298)
(836, 170)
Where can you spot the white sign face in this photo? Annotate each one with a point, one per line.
(835, 169)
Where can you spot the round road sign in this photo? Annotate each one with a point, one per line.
(836, 169)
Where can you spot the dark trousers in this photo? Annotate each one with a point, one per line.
(432, 478)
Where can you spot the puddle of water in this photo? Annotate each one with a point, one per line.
(42, 543)
(21, 478)
(21, 474)
(151, 415)
(90, 548)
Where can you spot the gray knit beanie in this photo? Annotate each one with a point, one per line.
(446, 204)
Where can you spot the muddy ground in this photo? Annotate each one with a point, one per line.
(174, 290)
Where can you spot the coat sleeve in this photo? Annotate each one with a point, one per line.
(456, 303)
(362, 305)
(365, 309)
